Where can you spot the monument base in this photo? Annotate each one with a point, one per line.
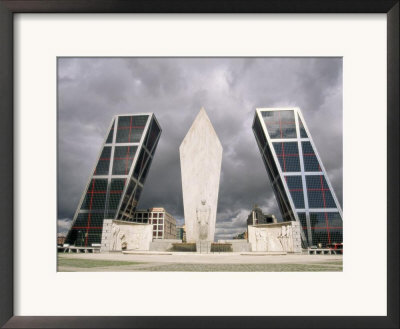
(238, 245)
(203, 247)
(184, 247)
(163, 244)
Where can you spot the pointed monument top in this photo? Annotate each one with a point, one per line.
(202, 112)
(201, 124)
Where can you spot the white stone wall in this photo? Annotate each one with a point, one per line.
(296, 229)
(106, 235)
(238, 245)
(200, 157)
(284, 236)
(163, 244)
(130, 236)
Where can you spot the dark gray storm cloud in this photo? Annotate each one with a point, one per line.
(92, 90)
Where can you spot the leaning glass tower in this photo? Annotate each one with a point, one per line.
(117, 180)
(298, 177)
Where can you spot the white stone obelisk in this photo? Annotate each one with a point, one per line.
(201, 156)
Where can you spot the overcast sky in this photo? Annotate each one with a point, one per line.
(92, 90)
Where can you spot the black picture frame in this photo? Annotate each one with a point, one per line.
(10, 7)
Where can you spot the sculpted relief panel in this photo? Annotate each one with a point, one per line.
(127, 236)
(275, 237)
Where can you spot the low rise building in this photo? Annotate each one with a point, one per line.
(241, 236)
(181, 233)
(60, 240)
(164, 224)
(256, 217)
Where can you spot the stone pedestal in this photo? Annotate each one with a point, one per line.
(203, 247)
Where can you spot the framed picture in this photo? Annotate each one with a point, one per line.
(48, 46)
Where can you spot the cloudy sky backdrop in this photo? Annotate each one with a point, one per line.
(92, 90)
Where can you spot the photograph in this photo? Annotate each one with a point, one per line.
(199, 164)
(211, 147)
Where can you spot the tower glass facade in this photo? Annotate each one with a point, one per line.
(297, 175)
(116, 183)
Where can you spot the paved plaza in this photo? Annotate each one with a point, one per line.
(192, 262)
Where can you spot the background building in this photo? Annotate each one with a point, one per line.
(297, 175)
(60, 240)
(256, 216)
(181, 233)
(164, 224)
(241, 236)
(117, 180)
